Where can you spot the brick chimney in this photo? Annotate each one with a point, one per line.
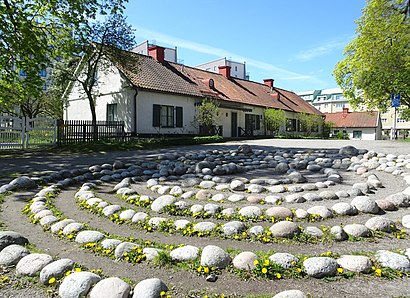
(269, 82)
(345, 112)
(225, 71)
(158, 53)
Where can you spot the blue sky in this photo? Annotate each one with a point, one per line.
(297, 43)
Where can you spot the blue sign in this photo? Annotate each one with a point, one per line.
(395, 100)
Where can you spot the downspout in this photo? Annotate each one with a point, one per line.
(135, 111)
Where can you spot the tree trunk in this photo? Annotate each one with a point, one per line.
(93, 116)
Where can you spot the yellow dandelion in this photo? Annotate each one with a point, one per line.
(78, 269)
(256, 262)
(199, 269)
(340, 270)
(278, 276)
(378, 272)
(162, 294)
(266, 263)
(206, 270)
(264, 270)
(51, 281)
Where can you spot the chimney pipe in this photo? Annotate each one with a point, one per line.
(158, 53)
(345, 112)
(269, 82)
(225, 70)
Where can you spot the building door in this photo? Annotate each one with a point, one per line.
(249, 124)
(234, 124)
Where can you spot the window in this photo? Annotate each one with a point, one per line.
(291, 125)
(253, 121)
(112, 112)
(401, 120)
(236, 68)
(214, 67)
(384, 120)
(340, 105)
(167, 116)
(357, 134)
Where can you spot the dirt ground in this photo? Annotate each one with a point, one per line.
(183, 282)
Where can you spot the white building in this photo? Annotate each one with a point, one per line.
(170, 54)
(238, 69)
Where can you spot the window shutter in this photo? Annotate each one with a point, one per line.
(179, 122)
(258, 122)
(156, 119)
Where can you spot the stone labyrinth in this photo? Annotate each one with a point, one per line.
(281, 222)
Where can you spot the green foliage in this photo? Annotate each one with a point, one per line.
(327, 128)
(342, 135)
(310, 122)
(274, 119)
(377, 60)
(207, 113)
(34, 35)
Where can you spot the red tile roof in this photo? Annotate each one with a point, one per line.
(353, 119)
(147, 73)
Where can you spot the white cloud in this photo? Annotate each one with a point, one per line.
(322, 49)
(280, 73)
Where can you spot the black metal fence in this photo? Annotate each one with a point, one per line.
(79, 131)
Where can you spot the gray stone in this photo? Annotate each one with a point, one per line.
(154, 222)
(161, 202)
(380, 223)
(204, 226)
(313, 231)
(22, 182)
(43, 213)
(56, 269)
(250, 211)
(48, 220)
(312, 197)
(393, 260)
(89, 236)
(211, 208)
(355, 263)
(237, 185)
(348, 150)
(236, 198)
(13, 253)
(176, 191)
(385, 205)
(113, 287)
(149, 288)
(181, 224)
(286, 260)
(362, 186)
(32, 264)
(314, 168)
(342, 194)
(357, 230)
(276, 188)
(301, 213)
(207, 184)
(256, 230)
(297, 177)
(151, 253)
(273, 199)
(184, 253)
(233, 227)
(77, 284)
(365, 204)
(405, 221)
(343, 208)
(203, 194)
(295, 198)
(338, 233)
(9, 237)
(111, 209)
(399, 199)
(214, 256)
(290, 294)
(196, 208)
(122, 248)
(284, 229)
(110, 243)
(139, 217)
(328, 195)
(245, 260)
(73, 227)
(127, 214)
(255, 188)
(322, 211)
(309, 187)
(279, 212)
(282, 167)
(320, 266)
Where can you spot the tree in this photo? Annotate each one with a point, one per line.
(377, 60)
(310, 122)
(93, 53)
(207, 115)
(33, 34)
(274, 120)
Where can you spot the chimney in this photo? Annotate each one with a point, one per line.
(158, 53)
(269, 82)
(345, 112)
(225, 71)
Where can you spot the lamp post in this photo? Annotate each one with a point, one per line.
(395, 103)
